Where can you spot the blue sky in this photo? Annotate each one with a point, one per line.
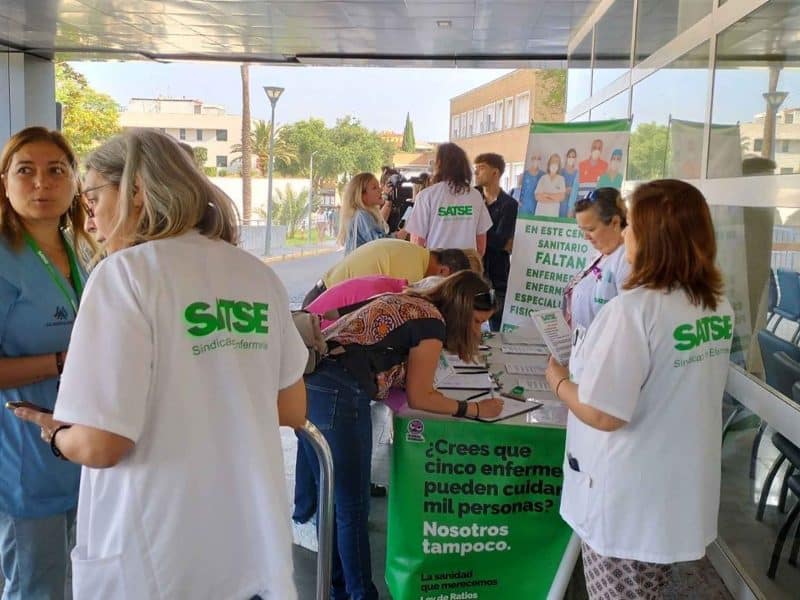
(379, 98)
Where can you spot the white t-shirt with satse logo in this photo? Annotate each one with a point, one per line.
(181, 345)
(649, 491)
(448, 220)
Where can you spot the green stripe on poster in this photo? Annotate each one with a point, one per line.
(593, 126)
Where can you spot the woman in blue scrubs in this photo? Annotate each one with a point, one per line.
(41, 278)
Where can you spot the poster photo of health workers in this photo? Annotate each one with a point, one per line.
(565, 161)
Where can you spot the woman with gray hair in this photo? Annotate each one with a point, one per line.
(194, 362)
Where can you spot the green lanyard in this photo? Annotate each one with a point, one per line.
(75, 273)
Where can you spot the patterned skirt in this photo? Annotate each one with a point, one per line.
(610, 578)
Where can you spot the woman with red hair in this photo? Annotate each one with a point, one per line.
(644, 391)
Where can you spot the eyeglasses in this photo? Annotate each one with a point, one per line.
(484, 300)
(88, 205)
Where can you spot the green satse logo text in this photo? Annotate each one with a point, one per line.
(236, 316)
(455, 211)
(714, 328)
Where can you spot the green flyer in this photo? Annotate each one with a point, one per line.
(473, 510)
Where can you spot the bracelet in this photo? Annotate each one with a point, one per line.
(53, 448)
(59, 362)
(558, 385)
(461, 411)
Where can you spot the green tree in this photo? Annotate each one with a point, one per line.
(88, 117)
(339, 152)
(359, 149)
(259, 141)
(200, 156)
(648, 151)
(554, 83)
(291, 208)
(409, 143)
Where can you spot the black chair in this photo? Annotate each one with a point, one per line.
(786, 374)
(794, 485)
(770, 344)
(772, 298)
(788, 305)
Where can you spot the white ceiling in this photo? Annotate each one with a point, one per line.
(375, 32)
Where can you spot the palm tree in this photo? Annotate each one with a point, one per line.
(245, 146)
(259, 141)
(291, 208)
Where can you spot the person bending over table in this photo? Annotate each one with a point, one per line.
(398, 259)
(393, 341)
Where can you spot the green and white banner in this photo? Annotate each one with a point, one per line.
(473, 513)
(549, 248)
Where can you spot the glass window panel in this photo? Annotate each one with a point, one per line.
(522, 109)
(759, 254)
(670, 105)
(579, 73)
(509, 113)
(659, 21)
(612, 44)
(615, 108)
(753, 244)
(757, 91)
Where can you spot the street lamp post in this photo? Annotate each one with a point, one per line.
(774, 100)
(310, 192)
(273, 93)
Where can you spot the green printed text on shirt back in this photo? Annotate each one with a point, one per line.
(455, 211)
(237, 316)
(713, 328)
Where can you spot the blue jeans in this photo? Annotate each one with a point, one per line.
(34, 554)
(340, 409)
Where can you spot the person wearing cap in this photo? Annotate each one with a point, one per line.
(601, 215)
(530, 179)
(612, 177)
(593, 167)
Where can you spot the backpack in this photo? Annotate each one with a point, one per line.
(307, 325)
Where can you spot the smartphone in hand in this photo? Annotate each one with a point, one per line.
(30, 405)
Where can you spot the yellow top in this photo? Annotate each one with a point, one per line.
(387, 256)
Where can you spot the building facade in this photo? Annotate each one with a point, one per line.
(712, 77)
(496, 116)
(191, 121)
(786, 152)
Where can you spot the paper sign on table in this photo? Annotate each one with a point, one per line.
(540, 349)
(444, 370)
(467, 381)
(534, 384)
(528, 369)
(555, 331)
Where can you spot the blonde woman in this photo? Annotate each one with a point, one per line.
(361, 220)
(147, 403)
